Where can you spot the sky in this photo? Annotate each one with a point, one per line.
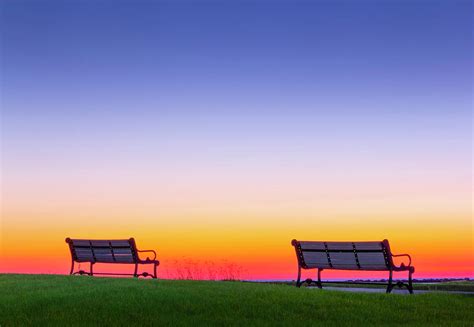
(217, 131)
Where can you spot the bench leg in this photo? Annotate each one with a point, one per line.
(400, 284)
(298, 281)
(92, 269)
(410, 282)
(72, 267)
(135, 273)
(390, 285)
(154, 271)
(319, 284)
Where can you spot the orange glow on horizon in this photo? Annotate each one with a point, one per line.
(259, 251)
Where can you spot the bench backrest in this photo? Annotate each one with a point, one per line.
(344, 255)
(106, 251)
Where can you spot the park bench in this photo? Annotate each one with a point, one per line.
(371, 256)
(109, 251)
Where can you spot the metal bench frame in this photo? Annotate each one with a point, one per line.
(134, 251)
(385, 249)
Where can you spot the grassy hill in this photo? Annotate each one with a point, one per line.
(79, 300)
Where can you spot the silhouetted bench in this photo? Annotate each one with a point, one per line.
(373, 256)
(109, 251)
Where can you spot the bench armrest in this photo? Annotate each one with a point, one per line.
(152, 251)
(403, 255)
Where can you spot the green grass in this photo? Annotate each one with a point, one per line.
(79, 300)
(457, 286)
(467, 286)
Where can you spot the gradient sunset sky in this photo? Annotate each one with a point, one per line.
(219, 131)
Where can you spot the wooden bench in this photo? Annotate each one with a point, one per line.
(109, 251)
(373, 256)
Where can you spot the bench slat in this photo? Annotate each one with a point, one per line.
(312, 245)
(100, 243)
(80, 243)
(102, 251)
(85, 258)
(120, 243)
(122, 251)
(368, 245)
(339, 245)
(128, 259)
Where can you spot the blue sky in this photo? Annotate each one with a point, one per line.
(234, 57)
(138, 74)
